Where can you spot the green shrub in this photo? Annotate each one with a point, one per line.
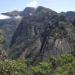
(63, 65)
(65, 59)
(66, 69)
(12, 67)
(43, 68)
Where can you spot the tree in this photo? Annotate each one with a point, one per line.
(3, 54)
(13, 67)
(43, 68)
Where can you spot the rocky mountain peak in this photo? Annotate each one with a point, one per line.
(28, 11)
(38, 33)
(41, 35)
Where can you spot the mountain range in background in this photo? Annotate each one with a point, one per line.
(38, 33)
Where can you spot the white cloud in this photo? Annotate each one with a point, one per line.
(4, 17)
(33, 3)
(18, 17)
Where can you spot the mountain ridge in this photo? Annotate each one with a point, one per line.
(36, 34)
(43, 34)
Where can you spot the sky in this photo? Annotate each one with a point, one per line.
(57, 5)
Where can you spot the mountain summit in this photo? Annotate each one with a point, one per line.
(40, 35)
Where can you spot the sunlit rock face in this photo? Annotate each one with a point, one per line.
(42, 33)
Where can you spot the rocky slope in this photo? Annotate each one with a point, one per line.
(70, 15)
(41, 34)
(8, 26)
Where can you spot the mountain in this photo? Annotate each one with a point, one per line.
(9, 22)
(70, 15)
(42, 33)
(27, 11)
(15, 13)
(12, 13)
(8, 26)
(37, 33)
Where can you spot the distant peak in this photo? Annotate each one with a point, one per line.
(12, 13)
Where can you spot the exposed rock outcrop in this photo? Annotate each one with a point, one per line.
(40, 35)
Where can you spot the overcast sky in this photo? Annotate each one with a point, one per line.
(57, 5)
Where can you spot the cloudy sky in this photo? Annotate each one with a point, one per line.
(57, 5)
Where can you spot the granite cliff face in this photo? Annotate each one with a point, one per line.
(42, 33)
